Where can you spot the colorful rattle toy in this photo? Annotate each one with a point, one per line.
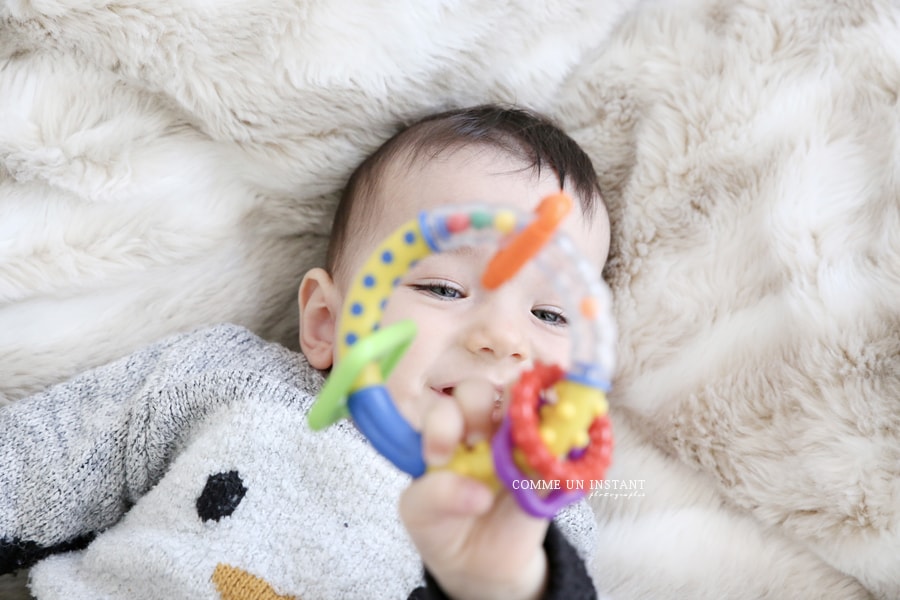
(556, 438)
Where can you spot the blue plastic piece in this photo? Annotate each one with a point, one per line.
(588, 374)
(425, 230)
(375, 415)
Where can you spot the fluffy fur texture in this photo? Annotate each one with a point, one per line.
(165, 165)
(751, 164)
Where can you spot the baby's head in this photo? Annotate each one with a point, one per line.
(487, 154)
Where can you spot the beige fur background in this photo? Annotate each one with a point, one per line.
(165, 165)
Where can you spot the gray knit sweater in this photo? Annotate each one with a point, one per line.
(187, 470)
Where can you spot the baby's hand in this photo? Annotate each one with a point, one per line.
(475, 543)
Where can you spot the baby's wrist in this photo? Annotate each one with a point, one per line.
(535, 585)
(530, 583)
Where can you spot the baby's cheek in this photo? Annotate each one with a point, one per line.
(409, 401)
(556, 351)
(412, 411)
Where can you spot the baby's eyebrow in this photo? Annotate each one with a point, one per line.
(465, 251)
(435, 259)
(460, 252)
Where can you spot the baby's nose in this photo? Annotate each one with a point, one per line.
(499, 337)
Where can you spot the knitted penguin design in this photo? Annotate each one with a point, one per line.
(187, 470)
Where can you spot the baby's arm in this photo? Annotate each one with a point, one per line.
(62, 462)
(568, 576)
(75, 457)
(476, 544)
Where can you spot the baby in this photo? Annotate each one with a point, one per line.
(187, 470)
(471, 343)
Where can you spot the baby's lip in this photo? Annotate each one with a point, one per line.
(443, 390)
(447, 390)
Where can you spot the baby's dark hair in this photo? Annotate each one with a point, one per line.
(523, 134)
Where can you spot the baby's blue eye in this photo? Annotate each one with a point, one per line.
(440, 290)
(549, 316)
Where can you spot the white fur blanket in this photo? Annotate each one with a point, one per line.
(165, 165)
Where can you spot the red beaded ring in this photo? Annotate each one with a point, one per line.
(524, 413)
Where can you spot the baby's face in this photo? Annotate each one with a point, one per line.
(464, 331)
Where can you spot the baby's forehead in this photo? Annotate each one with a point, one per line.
(591, 240)
(466, 175)
(462, 174)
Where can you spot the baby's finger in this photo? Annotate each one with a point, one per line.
(477, 400)
(439, 495)
(442, 431)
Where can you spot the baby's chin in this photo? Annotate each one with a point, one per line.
(413, 405)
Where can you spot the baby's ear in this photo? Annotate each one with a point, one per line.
(320, 305)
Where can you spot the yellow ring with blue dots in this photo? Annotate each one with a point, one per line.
(379, 275)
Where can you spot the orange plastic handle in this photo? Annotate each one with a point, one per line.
(507, 261)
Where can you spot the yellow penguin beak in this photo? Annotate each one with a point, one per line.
(237, 584)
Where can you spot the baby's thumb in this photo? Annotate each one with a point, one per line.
(442, 495)
(442, 432)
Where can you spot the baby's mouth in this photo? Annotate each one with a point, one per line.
(443, 392)
(449, 390)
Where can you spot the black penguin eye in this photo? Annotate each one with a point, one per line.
(221, 495)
